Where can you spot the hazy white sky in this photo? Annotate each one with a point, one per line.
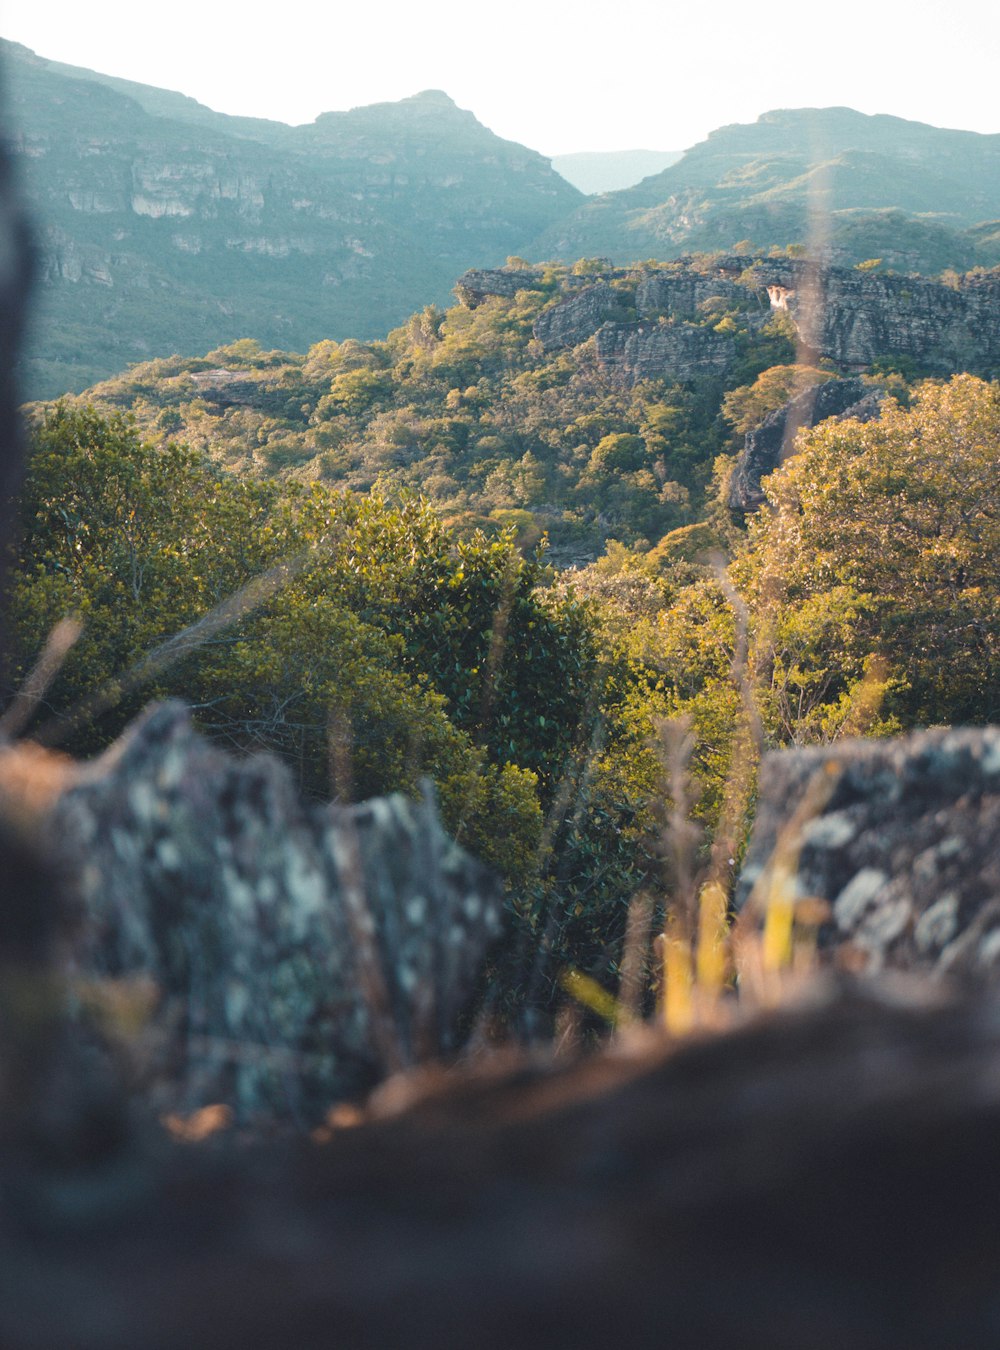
(557, 77)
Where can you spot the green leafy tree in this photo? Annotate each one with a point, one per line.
(884, 540)
(430, 653)
(747, 406)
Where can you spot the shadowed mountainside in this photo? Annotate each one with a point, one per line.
(166, 227)
(861, 186)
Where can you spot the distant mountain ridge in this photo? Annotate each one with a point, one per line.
(166, 227)
(827, 177)
(157, 102)
(611, 170)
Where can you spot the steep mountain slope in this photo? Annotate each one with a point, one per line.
(165, 102)
(589, 404)
(164, 233)
(817, 176)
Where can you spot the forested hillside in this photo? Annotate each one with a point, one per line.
(167, 227)
(583, 402)
(397, 497)
(469, 408)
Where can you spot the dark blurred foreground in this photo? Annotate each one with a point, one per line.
(824, 1178)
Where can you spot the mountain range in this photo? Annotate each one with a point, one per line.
(166, 227)
(830, 178)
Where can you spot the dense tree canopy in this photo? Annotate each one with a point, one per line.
(866, 589)
(883, 541)
(370, 636)
(358, 637)
(468, 408)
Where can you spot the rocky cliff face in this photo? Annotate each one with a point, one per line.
(650, 325)
(662, 323)
(685, 292)
(578, 318)
(767, 445)
(163, 235)
(856, 317)
(673, 351)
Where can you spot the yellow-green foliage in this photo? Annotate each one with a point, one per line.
(885, 539)
(747, 406)
(867, 594)
(862, 601)
(468, 408)
(383, 648)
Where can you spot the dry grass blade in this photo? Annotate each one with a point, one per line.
(228, 612)
(635, 956)
(26, 701)
(763, 958)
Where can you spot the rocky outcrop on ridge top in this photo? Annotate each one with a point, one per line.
(854, 317)
(848, 316)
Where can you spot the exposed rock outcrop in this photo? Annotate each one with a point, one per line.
(856, 317)
(899, 838)
(850, 317)
(479, 283)
(672, 351)
(645, 331)
(575, 320)
(292, 953)
(774, 440)
(226, 388)
(676, 293)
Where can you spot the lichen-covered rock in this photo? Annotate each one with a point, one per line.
(901, 839)
(856, 317)
(767, 445)
(671, 351)
(575, 320)
(292, 953)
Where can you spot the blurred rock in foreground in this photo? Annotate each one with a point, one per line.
(901, 838)
(268, 953)
(824, 1178)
